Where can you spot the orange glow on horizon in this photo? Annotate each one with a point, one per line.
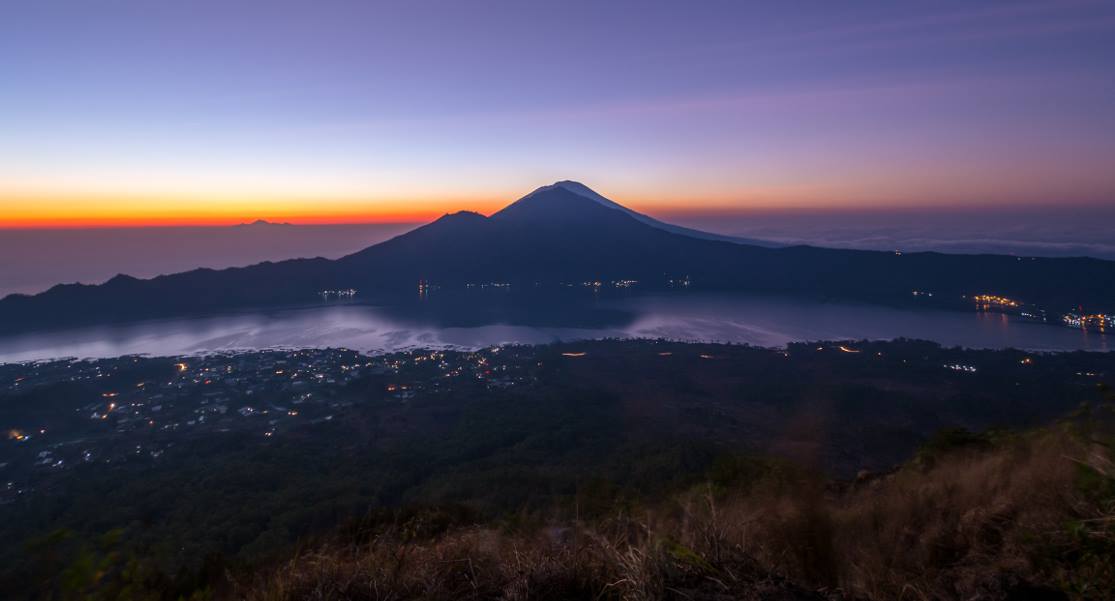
(45, 210)
(87, 212)
(201, 221)
(40, 207)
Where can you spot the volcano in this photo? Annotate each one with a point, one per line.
(564, 234)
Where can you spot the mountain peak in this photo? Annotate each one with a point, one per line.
(566, 199)
(261, 223)
(121, 279)
(461, 216)
(454, 221)
(583, 191)
(580, 189)
(559, 202)
(577, 188)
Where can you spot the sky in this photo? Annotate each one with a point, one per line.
(125, 113)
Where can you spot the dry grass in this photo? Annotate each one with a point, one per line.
(976, 525)
(1031, 516)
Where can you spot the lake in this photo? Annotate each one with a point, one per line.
(485, 319)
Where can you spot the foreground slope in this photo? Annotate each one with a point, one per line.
(995, 519)
(594, 470)
(252, 456)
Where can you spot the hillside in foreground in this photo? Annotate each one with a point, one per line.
(1028, 516)
(199, 476)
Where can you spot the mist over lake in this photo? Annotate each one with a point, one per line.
(489, 318)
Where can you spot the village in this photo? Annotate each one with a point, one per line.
(131, 409)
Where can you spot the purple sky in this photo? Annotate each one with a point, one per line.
(227, 111)
(954, 126)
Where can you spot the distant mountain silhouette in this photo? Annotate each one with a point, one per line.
(566, 233)
(261, 223)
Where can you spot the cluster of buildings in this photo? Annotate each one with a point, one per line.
(136, 409)
(344, 293)
(1103, 322)
(1100, 322)
(424, 286)
(987, 301)
(592, 284)
(961, 367)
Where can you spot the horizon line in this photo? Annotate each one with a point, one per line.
(357, 219)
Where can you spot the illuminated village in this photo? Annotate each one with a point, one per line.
(1098, 322)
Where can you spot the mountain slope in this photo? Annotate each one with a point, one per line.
(557, 234)
(552, 235)
(583, 190)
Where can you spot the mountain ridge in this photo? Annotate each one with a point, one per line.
(560, 234)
